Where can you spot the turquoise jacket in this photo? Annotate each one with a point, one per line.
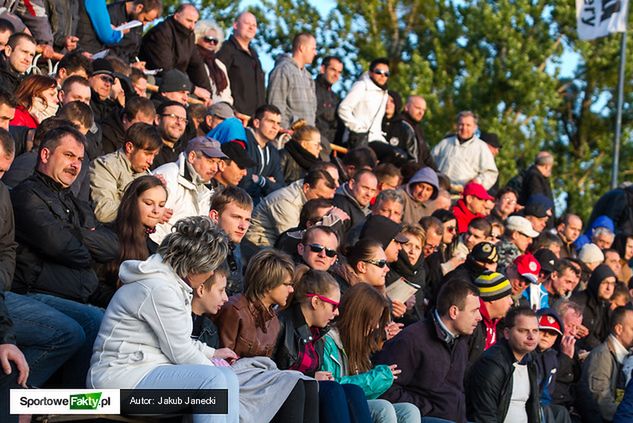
(373, 382)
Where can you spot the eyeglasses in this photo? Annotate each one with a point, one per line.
(317, 248)
(211, 40)
(381, 72)
(324, 299)
(378, 263)
(173, 116)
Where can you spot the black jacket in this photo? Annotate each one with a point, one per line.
(534, 183)
(7, 240)
(168, 46)
(408, 135)
(296, 161)
(415, 273)
(489, 386)
(58, 241)
(9, 79)
(113, 133)
(293, 337)
(269, 166)
(103, 108)
(343, 200)
(245, 75)
(616, 204)
(129, 46)
(327, 102)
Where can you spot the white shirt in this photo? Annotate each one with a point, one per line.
(463, 162)
(520, 394)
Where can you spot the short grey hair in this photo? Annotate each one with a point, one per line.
(204, 26)
(195, 246)
(388, 195)
(467, 113)
(600, 231)
(544, 158)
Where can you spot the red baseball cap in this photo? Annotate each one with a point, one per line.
(547, 322)
(528, 267)
(477, 190)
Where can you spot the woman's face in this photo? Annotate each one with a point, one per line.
(214, 297)
(151, 205)
(50, 96)
(324, 311)
(628, 251)
(313, 144)
(279, 295)
(450, 229)
(210, 41)
(390, 110)
(373, 273)
(412, 248)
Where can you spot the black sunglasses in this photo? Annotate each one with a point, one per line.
(378, 263)
(381, 72)
(211, 40)
(317, 248)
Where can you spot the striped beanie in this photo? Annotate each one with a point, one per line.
(492, 286)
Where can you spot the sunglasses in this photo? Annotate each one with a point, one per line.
(381, 72)
(324, 299)
(317, 248)
(105, 78)
(378, 263)
(450, 229)
(211, 40)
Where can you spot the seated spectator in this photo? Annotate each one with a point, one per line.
(209, 39)
(231, 209)
(8, 105)
(568, 230)
(388, 203)
(171, 120)
(301, 152)
(451, 256)
(603, 238)
(621, 296)
(152, 312)
(18, 57)
(495, 300)
(479, 230)
(389, 177)
(484, 256)
(356, 159)
(601, 379)
(623, 244)
(318, 248)
(523, 277)
(215, 115)
(280, 210)
(538, 211)
(234, 166)
(433, 257)
(75, 88)
(139, 82)
(249, 326)
(548, 241)
(516, 240)
(112, 173)
(505, 203)
(267, 176)
(387, 232)
(137, 109)
(37, 100)
(303, 326)
(591, 256)
(356, 335)
(433, 355)
(421, 188)
(186, 182)
(366, 263)
(73, 63)
(471, 205)
(595, 300)
(612, 259)
(101, 83)
(230, 129)
(59, 240)
(354, 196)
(501, 385)
(561, 283)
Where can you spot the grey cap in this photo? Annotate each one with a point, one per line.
(208, 146)
(174, 80)
(222, 109)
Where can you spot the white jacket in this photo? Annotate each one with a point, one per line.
(363, 108)
(464, 162)
(184, 197)
(147, 324)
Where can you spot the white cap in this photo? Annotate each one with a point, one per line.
(521, 224)
(591, 253)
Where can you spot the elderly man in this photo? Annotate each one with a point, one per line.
(290, 86)
(464, 157)
(406, 132)
(171, 45)
(536, 179)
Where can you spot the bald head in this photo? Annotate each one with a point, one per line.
(415, 107)
(245, 27)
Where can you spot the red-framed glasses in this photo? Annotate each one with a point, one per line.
(324, 299)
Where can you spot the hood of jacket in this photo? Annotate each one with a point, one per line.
(428, 175)
(602, 222)
(597, 276)
(369, 83)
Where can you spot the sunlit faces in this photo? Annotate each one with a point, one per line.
(475, 205)
(64, 162)
(499, 308)
(279, 295)
(151, 205)
(234, 221)
(323, 311)
(172, 123)
(412, 248)
(245, 27)
(268, 126)
(416, 107)
(422, 191)
(76, 92)
(211, 295)
(521, 241)
(465, 321)
(7, 113)
(205, 167)
(101, 84)
(187, 17)
(624, 331)
(181, 97)
(391, 209)
(333, 71)
(612, 259)
(364, 189)
(380, 74)
(319, 190)
(20, 57)
(466, 127)
(606, 288)
(371, 272)
(473, 237)
(313, 143)
(563, 284)
(524, 335)
(232, 174)
(450, 231)
(433, 241)
(547, 339)
(571, 231)
(389, 182)
(140, 159)
(507, 204)
(319, 240)
(49, 96)
(308, 50)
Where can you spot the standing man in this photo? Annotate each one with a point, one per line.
(290, 86)
(465, 158)
(502, 385)
(243, 67)
(536, 179)
(406, 133)
(327, 100)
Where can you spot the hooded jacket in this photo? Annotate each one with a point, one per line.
(616, 204)
(413, 210)
(344, 200)
(597, 313)
(147, 324)
(363, 108)
(463, 215)
(291, 89)
(408, 135)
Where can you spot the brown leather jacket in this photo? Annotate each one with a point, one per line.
(247, 328)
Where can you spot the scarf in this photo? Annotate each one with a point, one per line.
(303, 157)
(215, 73)
(42, 110)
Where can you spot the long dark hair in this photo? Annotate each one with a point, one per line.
(132, 233)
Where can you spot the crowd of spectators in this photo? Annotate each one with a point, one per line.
(170, 219)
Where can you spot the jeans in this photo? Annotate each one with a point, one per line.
(342, 403)
(47, 337)
(88, 318)
(197, 376)
(382, 411)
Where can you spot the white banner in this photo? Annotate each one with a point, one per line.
(598, 18)
(65, 401)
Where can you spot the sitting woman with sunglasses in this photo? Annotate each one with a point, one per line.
(300, 345)
(249, 326)
(358, 333)
(366, 262)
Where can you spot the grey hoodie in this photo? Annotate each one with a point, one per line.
(292, 90)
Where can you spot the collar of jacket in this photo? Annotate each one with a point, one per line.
(442, 331)
(301, 326)
(50, 182)
(344, 190)
(179, 28)
(251, 52)
(187, 176)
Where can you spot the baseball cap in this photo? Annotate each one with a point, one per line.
(528, 267)
(383, 230)
(477, 190)
(208, 146)
(490, 138)
(485, 252)
(521, 224)
(221, 109)
(547, 322)
(547, 259)
(236, 152)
